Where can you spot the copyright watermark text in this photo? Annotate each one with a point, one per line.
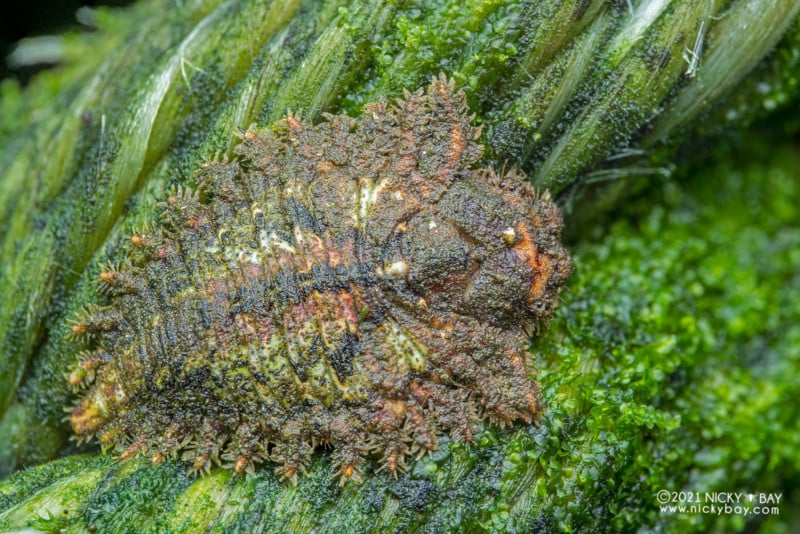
(744, 503)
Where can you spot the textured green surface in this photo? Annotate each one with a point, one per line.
(87, 149)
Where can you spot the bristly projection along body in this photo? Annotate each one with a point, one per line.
(353, 284)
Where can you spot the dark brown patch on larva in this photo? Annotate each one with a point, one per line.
(351, 283)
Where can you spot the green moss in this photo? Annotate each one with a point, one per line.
(673, 362)
(471, 41)
(681, 349)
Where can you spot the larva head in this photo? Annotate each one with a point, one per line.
(489, 248)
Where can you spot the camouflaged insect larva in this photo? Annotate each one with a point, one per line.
(353, 283)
